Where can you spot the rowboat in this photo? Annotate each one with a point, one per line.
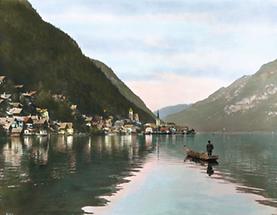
(201, 155)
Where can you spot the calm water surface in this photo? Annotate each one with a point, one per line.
(62, 175)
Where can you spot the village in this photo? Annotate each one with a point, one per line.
(20, 116)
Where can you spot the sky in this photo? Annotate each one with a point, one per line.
(171, 51)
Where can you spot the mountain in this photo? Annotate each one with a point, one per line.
(166, 111)
(43, 58)
(121, 86)
(248, 104)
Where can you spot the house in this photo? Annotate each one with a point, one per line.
(108, 123)
(118, 123)
(2, 79)
(16, 128)
(59, 97)
(30, 94)
(152, 125)
(164, 130)
(148, 130)
(15, 112)
(73, 107)
(5, 123)
(88, 120)
(97, 122)
(19, 86)
(19, 89)
(15, 104)
(5, 96)
(29, 129)
(130, 128)
(136, 117)
(28, 97)
(43, 113)
(65, 128)
(41, 126)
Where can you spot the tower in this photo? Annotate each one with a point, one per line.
(158, 121)
(131, 114)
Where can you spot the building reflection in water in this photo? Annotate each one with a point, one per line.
(42, 140)
(63, 144)
(173, 139)
(107, 144)
(148, 139)
(39, 152)
(28, 142)
(113, 146)
(135, 146)
(87, 151)
(98, 145)
(69, 142)
(13, 152)
(60, 145)
(25, 155)
(158, 147)
(12, 158)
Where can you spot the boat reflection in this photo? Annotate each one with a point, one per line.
(210, 170)
(201, 163)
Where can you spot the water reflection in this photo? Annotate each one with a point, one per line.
(210, 170)
(245, 159)
(60, 174)
(209, 166)
(39, 153)
(13, 151)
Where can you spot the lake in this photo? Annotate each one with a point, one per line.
(138, 175)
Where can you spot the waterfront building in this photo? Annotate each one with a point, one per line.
(65, 128)
(43, 113)
(136, 117)
(2, 79)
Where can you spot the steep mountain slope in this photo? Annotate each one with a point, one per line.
(166, 111)
(249, 104)
(121, 86)
(42, 57)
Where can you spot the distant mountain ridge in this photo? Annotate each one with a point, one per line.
(166, 111)
(122, 87)
(43, 58)
(248, 104)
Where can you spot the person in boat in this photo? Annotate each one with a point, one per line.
(210, 148)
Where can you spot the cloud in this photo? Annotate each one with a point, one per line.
(174, 89)
(200, 41)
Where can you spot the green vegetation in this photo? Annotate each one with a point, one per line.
(58, 110)
(121, 86)
(40, 56)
